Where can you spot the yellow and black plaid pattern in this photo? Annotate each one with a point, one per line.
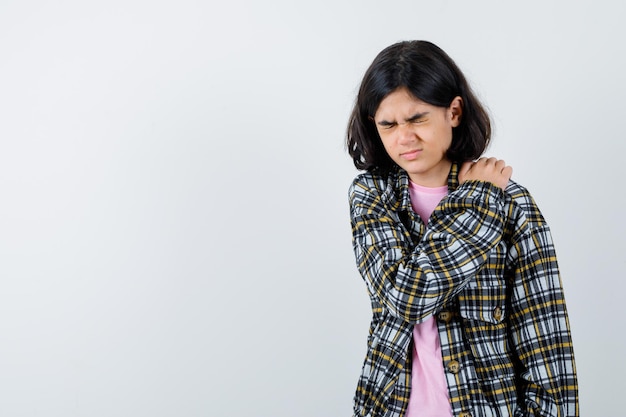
(486, 267)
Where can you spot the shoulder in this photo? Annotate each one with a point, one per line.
(522, 207)
(369, 181)
(373, 183)
(375, 189)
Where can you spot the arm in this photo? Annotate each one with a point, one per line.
(412, 281)
(540, 330)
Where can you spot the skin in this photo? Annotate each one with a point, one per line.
(416, 136)
(486, 169)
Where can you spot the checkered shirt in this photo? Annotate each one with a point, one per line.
(486, 267)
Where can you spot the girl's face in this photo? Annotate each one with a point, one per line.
(416, 135)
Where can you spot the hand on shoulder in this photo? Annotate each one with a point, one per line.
(486, 169)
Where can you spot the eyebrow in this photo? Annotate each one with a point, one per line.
(413, 118)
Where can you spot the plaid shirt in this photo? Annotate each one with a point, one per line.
(485, 266)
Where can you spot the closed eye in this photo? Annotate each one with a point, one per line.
(383, 124)
(418, 118)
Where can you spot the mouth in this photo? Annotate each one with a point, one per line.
(410, 155)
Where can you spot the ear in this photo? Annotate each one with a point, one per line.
(455, 111)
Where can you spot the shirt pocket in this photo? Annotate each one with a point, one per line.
(483, 313)
(483, 305)
(484, 298)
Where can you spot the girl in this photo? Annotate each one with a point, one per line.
(469, 317)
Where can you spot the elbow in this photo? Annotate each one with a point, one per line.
(411, 309)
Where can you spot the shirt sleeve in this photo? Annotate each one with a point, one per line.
(412, 280)
(540, 330)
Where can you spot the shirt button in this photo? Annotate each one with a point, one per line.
(453, 366)
(445, 316)
(465, 414)
(497, 313)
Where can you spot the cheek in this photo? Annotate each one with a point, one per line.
(387, 143)
(445, 139)
(447, 143)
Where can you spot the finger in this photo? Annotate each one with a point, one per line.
(500, 165)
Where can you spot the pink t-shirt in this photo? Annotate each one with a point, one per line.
(429, 389)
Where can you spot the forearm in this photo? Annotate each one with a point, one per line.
(413, 280)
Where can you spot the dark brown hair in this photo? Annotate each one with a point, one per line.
(431, 76)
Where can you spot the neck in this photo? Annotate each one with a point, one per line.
(437, 177)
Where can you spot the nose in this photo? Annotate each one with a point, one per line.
(405, 134)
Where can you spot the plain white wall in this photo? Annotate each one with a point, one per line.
(174, 234)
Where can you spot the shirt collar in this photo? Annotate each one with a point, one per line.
(401, 199)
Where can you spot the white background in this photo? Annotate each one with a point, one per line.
(174, 232)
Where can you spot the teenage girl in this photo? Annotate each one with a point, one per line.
(469, 317)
